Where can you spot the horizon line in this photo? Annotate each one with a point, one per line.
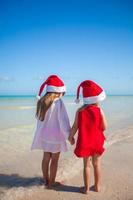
(33, 95)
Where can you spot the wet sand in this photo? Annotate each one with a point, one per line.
(117, 176)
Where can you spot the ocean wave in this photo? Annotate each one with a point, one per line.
(71, 167)
(73, 103)
(119, 135)
(16, 107)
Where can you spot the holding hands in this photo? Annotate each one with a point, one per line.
(73, 131)
(71, 140)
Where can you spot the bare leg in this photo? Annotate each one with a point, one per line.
(53, 168)
(86, 174)
(45, 166)
(97, 171)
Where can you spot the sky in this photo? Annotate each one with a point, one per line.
(77, 40)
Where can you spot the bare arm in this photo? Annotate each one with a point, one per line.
(73, 129)
(104, 122)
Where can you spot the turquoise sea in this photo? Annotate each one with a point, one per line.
(20, 110)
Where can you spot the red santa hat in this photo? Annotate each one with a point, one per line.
(92, 92)
(53, 84)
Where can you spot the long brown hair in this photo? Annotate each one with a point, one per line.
(44, 104)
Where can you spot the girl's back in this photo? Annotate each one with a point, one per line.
(52, 128)
(90, 123)
(90, 133)
(52, 125)
(89, 118)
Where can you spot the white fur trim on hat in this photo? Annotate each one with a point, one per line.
(38, 97)
(50, 88)
(94, 99)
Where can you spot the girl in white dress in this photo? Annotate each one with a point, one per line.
(53, 127)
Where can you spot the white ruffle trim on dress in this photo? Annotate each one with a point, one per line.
(51, 147)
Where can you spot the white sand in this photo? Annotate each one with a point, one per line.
(117, 179)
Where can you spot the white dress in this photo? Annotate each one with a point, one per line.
(51, 133)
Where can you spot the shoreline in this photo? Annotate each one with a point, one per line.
(19, 186)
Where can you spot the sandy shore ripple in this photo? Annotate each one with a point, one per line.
(117, 183)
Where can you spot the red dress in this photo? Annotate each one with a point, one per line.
(90, 133)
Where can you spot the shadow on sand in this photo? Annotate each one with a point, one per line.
(14, 180)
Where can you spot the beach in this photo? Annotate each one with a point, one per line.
(81, 51)
(20, 171)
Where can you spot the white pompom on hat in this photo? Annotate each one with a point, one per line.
(92, 92)
(53, 84)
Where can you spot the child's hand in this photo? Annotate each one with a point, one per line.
(71, 140)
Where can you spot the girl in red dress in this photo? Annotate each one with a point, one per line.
(90, 123)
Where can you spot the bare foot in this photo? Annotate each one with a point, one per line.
(55, 184)
(97, 188)
(44, 182)
(84, 190)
